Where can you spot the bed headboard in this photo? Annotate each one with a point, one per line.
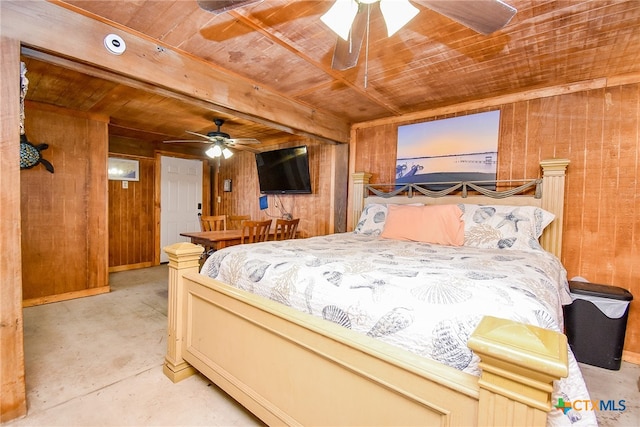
(549, 195)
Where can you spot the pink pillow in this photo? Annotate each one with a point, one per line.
(439, 224)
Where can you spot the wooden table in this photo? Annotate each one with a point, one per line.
(218, 239)
(214, 239)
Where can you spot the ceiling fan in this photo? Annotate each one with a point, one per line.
(350, 19)
(221, 141)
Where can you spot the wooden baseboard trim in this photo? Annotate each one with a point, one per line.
(66, 296)
(631, 357)
(117, 268)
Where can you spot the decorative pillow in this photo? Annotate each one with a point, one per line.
(504, 227)
(439, 224)
(372, 219)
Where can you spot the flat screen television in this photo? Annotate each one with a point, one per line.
(284, 171)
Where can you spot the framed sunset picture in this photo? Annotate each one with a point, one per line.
(455, 149)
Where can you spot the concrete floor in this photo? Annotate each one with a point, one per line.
(607, 385)
(97, 361)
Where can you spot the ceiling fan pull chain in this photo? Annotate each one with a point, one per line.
(366, 49)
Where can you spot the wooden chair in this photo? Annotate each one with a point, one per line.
(255, 231)
(234, 222)
(213, 223)
(286, 229)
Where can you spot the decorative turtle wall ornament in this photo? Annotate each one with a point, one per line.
(31, 155)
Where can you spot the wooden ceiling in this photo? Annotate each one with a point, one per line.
(283, 46)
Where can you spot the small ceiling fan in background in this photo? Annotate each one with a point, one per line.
(221, 141)
(350, 19)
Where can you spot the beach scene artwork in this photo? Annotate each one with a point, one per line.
(455, 149)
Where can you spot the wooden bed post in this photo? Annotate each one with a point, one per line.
(360, 179)
(553, 173)
(183, 258)
(519, 363)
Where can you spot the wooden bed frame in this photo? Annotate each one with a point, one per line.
(291, 368)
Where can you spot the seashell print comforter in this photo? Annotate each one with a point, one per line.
(425, 298)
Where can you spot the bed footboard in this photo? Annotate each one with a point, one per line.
(291, 368)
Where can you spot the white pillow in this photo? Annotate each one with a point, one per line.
(503, 226)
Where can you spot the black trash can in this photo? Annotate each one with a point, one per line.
(596, 322)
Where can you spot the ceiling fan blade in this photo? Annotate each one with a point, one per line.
(483, 16)
(242, 141)
(221, 6)
(199, 134)
(346, 52)
(187, 140)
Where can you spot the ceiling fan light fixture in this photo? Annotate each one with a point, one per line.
(397, 13)
(226, 153)
(214, 151)
(340, 17)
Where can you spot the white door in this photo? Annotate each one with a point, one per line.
(180, 200)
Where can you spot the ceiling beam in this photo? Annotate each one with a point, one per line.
(47, 27)
(92, 71)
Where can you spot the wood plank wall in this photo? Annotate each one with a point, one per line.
(64, 214)
(316, 211)
(599, 131)
(131, 219)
